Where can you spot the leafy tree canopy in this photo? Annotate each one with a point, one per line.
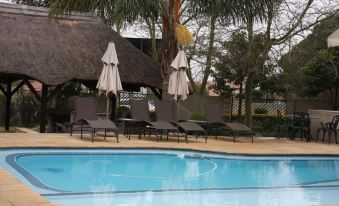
(293, 61)
(321, 75)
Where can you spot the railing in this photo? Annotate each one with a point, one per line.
(126, 97)
(274, 107)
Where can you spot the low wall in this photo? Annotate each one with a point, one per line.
(304, 105)
(195, 104)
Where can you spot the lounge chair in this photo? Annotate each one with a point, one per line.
(86, 118)
(214, 121)
(164, 112)
(141, 117)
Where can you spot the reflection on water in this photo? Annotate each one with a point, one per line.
(241, 180)
(277, 197)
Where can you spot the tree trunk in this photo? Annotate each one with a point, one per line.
(209, 55)
(169, 46)
(248, 99)
(240, 100)
(151, 29)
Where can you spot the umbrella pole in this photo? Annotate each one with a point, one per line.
(107, 106)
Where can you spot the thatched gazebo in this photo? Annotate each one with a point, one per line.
(53, 51)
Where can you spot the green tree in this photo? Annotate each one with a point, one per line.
(269, 13)
(276, 85)
(232, 66)
(293, 61)
(321, 75)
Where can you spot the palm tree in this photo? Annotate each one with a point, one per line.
(167, 12)
(129, 11)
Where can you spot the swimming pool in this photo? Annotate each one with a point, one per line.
(174, 177)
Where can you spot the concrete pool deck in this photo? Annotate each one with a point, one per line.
(15, 193)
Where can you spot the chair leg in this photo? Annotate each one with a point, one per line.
(278, 132)
(167, 135)
(206, 136)
(318, 131)
(93, 133)
(234, 136)
(81, 131)
(335, 136)
(71, 130)
(105, 133)
(117, 135)
(186, 138)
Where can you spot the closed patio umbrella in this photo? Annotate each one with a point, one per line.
(333, 39)
(109, 81)
(178, 86)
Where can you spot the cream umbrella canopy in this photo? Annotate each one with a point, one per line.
(109, 81)
(178, 86)
(333, 39)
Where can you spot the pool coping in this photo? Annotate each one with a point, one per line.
(175, 148)
(11, 160)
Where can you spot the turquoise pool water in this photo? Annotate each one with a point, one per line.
(170, 177)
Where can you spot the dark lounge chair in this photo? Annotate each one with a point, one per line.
(86, 118)
(329, 128)
(141, 117)
(214, 121)
(164, 112)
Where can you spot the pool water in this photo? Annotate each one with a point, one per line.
(170, 177)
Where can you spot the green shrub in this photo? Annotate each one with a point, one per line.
(264, 124)
(29, 108)
(260, 110)
(123, 112)
(152, 115)
(198, 117)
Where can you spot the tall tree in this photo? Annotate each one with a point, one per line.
(293, 61)
(298, 17)
(321, 75)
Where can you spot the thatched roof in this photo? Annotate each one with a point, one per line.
(54, 51)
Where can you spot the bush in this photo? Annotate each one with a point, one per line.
(123, 112)
(198, 117)
(29, 108)
(260, 110)
(264, 124)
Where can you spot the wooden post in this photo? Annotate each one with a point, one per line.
(43, 114)
(8, 105)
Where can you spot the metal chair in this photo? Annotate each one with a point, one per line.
(329, 128)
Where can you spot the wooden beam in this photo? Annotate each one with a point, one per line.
(8, 105)
(156, 93)
(30, 86)
(2, 89)
(43, 113)
(17, 88)
(56, 90)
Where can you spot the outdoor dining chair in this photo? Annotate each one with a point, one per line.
(329, 128)
(301, 123)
